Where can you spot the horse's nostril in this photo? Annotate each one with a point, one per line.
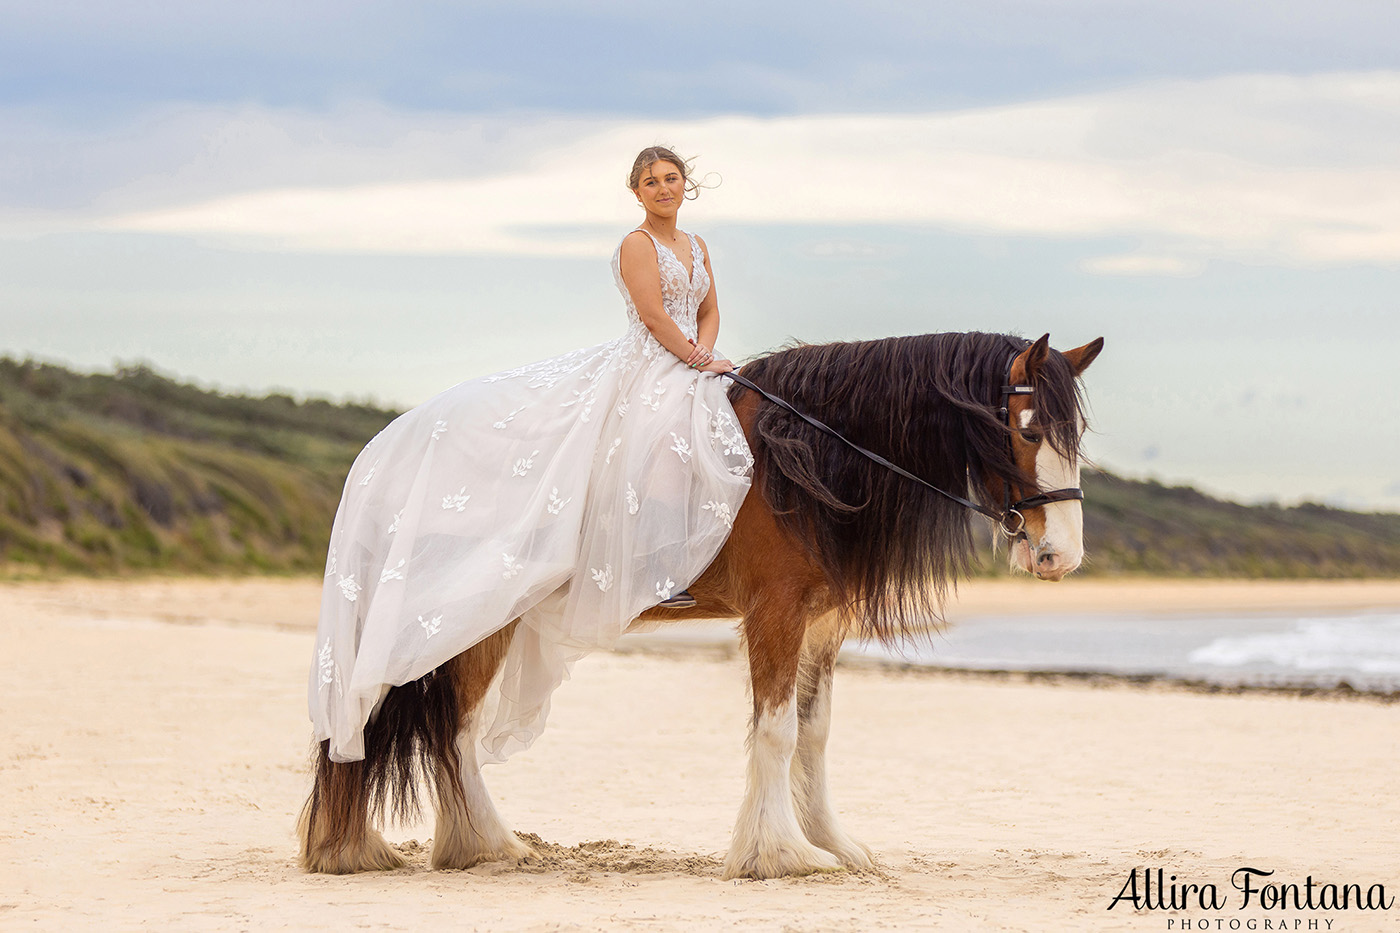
(1048, 558)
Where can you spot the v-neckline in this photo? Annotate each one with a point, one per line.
(689, 273)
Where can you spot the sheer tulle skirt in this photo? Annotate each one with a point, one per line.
(571, 494)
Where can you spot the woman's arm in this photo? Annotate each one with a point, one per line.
(642, 276)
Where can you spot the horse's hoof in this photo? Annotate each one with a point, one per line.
(516, 849)
(780, 862)
(854, 855)
(371, 853)
(509, 849)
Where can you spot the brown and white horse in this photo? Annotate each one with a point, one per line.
(828, 543)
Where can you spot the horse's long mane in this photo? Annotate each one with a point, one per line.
(889, 548)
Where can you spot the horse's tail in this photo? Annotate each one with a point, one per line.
(410, 741)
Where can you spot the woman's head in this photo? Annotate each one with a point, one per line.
(655, 163)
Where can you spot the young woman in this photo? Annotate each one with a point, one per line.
(570, 494)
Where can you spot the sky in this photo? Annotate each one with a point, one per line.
(376, 200)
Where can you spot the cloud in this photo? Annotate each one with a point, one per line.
(778, 56)
(851, 249)
(1141, 264)
(1266, 169)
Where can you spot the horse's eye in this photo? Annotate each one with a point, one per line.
(1030, 437)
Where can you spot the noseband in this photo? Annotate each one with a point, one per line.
(1011, 519)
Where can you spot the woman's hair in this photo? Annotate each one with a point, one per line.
(653, 154)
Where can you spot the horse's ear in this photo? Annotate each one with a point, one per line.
(1036, 356)
(1080, 357)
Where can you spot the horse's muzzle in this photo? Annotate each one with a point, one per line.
(1043, 562)
(1052, 565)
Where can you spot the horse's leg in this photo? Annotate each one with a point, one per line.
(768, 841)
(334, 829)
(469, 830)
(819, 650)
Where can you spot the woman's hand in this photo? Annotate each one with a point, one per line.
(718, 366)
(700, 357)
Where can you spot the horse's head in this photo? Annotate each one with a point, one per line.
(1046, 427)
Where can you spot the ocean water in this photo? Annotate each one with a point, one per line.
(1360, 649)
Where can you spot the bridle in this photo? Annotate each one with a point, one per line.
(1011, 510)
(1016, 509)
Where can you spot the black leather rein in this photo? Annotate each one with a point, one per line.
(1013, 510)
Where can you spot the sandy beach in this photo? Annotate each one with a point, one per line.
(155, 745)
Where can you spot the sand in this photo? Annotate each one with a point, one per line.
(153, 746)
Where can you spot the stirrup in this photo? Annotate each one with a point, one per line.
(682, 600)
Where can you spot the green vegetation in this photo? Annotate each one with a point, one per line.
(132, 471)
(1148, 528)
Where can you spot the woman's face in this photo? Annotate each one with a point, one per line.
(661, 189)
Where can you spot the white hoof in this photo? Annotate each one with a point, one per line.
(451, 851)
(852, 854)
(778, 860)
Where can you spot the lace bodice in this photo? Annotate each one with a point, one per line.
(681, 295)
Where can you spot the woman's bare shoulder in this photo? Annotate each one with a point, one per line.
(638, 244)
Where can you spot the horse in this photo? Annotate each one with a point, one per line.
(828, 543)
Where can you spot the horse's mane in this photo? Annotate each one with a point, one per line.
(890, 549)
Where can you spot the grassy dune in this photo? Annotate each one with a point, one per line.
(132, 471)
(1148, 528)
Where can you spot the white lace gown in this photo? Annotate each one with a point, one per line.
(571, 494)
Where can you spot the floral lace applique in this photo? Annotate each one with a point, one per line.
(523, 465)
(513, 566)
(604, 577)
(430, 626)
(349, 588)
(617, 442)
(587, 397)
(457, 500)
(438, 428)
(721, 510)
(398, 516)
(725, 429)
(546, 373)
(501, 425)
(556, 504)
(326, 663)
(632, 504)
(652, 399)
(663, 590)
(681, 447)
(393, 573)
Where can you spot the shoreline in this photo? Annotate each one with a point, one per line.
(1162, 595)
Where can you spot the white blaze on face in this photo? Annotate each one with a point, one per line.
(1064, 521)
